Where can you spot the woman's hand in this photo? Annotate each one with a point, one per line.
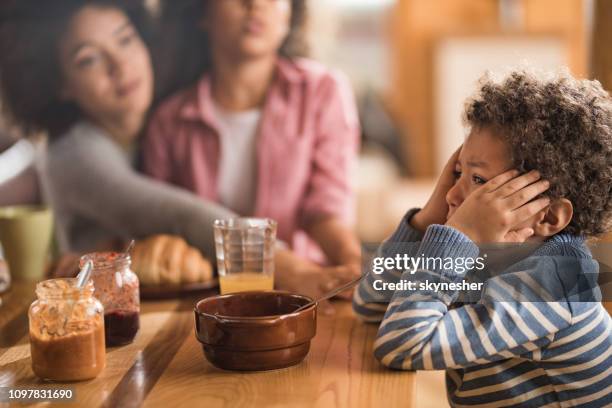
(436, 209)
(339, 275)
(307, 278)
(495, 211)
(317, 282)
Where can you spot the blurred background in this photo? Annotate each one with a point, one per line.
(412, 63)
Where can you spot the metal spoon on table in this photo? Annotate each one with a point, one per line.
(332, 293)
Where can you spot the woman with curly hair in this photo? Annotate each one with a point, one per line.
(536, 171)
(263, 131)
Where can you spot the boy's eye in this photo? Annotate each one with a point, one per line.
(456, 174)
(478, 180)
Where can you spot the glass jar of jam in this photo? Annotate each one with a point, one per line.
(66, 331)
(117, 287)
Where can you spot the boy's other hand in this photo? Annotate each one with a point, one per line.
(436, 209)
(495, 211)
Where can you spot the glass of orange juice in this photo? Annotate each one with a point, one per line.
(245, 253)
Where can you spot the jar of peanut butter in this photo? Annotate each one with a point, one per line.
(118, 288)
(66, 331)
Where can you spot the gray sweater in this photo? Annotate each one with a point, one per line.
(98, 196)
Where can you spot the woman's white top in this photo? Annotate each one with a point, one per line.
(238, 165)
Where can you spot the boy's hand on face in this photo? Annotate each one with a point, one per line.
(436, 209)
(495, 211)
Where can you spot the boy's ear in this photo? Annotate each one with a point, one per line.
(556, 217)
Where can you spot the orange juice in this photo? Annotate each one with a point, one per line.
(245, 281)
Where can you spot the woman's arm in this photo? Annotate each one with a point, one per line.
(90, 176)
(18, 177)
(338, 242)
(328, 207)
(21, 189)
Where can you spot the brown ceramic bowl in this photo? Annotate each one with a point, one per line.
(255, 330)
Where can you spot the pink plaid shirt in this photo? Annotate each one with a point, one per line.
(308, 139)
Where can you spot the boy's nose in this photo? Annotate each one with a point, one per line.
(455, 195)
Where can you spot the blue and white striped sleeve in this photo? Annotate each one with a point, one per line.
(369, 304)
(420, 330)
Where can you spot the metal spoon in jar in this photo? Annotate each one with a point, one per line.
(82, 279)
(84, 275)
(130, 247)
(332, 293)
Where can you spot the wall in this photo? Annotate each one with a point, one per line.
(418, 24)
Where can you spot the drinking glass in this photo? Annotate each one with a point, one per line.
(245, 253)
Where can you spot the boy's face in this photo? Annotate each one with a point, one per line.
(483, 156)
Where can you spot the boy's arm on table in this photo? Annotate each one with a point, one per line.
(369, 304)
(420, 331)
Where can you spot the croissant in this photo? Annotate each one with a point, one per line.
(168, 259)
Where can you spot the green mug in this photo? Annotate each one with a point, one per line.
(25, 235)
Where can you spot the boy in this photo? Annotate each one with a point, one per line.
(536, 171)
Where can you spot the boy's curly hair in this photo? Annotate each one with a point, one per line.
(560, 126)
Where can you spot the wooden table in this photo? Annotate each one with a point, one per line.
(165, 366)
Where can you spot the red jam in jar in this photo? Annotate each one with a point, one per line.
(117, 287)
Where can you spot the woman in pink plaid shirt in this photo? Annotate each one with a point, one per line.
(266, 134)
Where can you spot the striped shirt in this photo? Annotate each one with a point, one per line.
(552, 347)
